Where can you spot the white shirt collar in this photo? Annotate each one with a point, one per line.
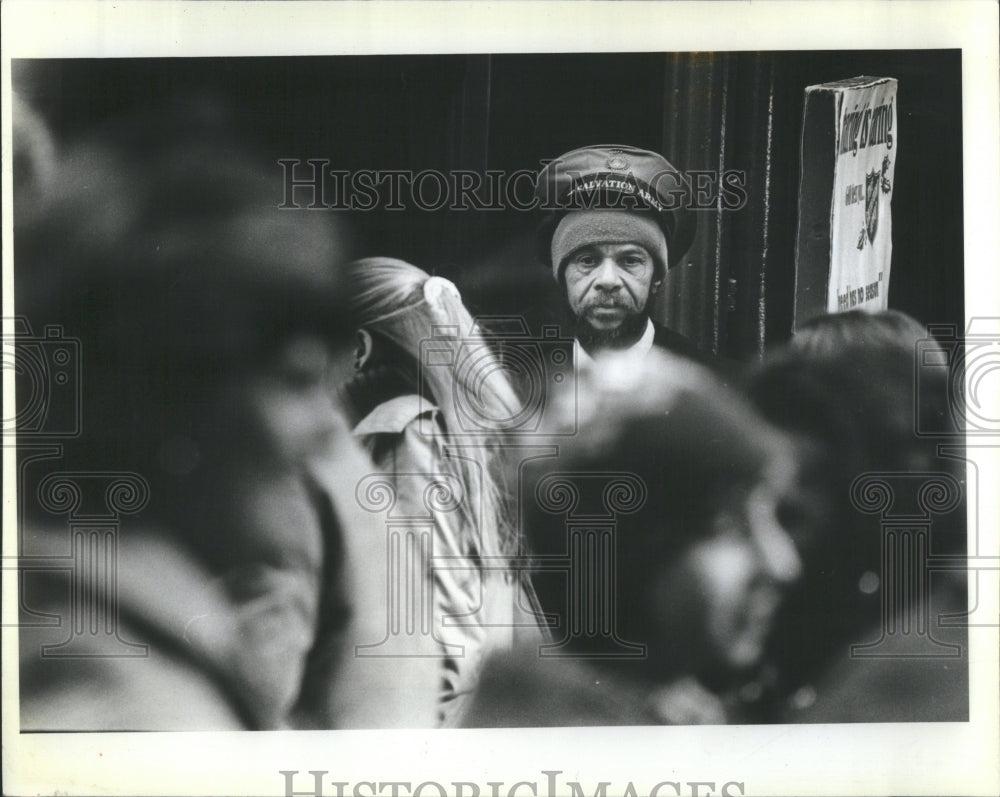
(635, 352)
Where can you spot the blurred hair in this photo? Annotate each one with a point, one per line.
(697, 448)
(386, 298)
(34, 162)
(847, 386)
(849, 380)
(166, 214)
(832, 333)
(161, 247)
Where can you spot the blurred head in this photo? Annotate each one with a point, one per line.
(207, 317)
(740, 571)
(830, 334)
(34, 162)
(846, 389)
(282, 409)
(703, 561)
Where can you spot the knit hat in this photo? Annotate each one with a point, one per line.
(586, 227)
(626, 179)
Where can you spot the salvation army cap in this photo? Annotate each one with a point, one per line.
(613, 177)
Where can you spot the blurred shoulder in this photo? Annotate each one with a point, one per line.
(521, 689)
(175, 659)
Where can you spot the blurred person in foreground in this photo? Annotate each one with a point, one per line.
(210, 326)
(849, 390)
(691, 481)
(427, 398)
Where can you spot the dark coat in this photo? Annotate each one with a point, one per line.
(676, 343)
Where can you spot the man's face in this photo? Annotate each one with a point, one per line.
(608, 283)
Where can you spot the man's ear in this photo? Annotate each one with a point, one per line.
(654, 286)
(363, 348)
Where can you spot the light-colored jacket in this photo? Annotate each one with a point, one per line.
(165, 643)
(477, 607)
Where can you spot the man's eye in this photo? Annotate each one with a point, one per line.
(585, 260)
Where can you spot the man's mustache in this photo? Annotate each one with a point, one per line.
(612, 301)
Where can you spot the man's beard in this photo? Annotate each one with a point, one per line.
(626, 334)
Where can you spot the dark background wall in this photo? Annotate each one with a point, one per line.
(712, 111)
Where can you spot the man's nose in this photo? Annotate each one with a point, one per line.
(607, 276)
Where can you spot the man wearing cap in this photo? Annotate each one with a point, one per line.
(614, 222)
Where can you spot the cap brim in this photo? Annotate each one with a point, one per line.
(682, 236)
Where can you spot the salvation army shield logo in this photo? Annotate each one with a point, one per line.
(875, 183)
(872, 180)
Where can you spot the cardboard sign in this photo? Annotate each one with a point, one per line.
(844, 243)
